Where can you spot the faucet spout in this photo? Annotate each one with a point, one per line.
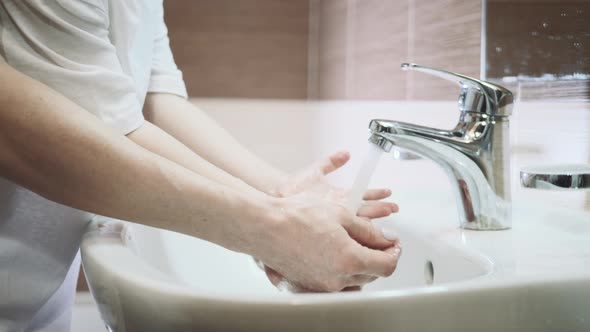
(474, 154)
(479, 207)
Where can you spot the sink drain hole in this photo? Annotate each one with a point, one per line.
(428, 273)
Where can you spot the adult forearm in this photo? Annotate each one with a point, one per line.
(52, 147)
(158, 141)
(200, 133)
(56, 149)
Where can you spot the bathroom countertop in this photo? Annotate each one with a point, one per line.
(543, 244)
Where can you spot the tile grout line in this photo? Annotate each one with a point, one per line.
(350, 45)
(410, 48)
(313, 50)
(483, 40)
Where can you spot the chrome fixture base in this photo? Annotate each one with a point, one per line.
(557, 177)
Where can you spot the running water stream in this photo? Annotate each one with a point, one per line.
(355, 196)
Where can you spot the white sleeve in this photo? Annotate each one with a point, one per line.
(65, 44)
(165, 76)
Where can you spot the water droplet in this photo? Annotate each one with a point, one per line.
(563, 14)
(578, 45)
(545, 25)
(499, 49)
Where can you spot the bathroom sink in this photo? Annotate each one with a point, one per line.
(534, 277)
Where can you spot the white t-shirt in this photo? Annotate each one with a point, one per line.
(105, 55)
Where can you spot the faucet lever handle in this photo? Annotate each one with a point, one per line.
(476, 95)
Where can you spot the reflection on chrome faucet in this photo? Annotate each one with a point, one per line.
(475, 154)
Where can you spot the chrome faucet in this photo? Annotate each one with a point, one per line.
(474, 154)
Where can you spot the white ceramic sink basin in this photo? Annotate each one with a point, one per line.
(535, 277)
(214, 271)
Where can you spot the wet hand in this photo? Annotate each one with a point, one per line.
(321, 246)
(313, 182)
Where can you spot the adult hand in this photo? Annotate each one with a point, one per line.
(318, 245)
(312, 181)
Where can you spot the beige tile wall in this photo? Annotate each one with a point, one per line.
(379, 43)
(246, 48)
(363, 42)
(351, 49)
(265, 49)
(331, 47)
(447, 35)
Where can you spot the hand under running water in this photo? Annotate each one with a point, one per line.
(279, 281)
(312, 182)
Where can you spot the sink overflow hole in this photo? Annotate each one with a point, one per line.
(428, 273)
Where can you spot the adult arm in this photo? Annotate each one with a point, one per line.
(58, 150)
(200, 133)
(53, 147)
(197, 131)
(158, 141)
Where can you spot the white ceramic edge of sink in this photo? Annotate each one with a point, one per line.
(158, 282)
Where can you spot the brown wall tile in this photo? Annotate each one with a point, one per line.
(254, 48)
(380, 41)
(361, 45)
(332, 48)
(447, 35)
(364, 42)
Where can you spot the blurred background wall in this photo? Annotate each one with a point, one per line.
(352, 49)
(326, 49)
(243, 48)
(361, 44)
